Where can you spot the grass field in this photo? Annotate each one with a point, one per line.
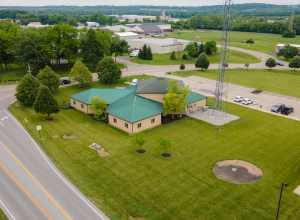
(2, 215)
(285, 82)
(13, 74)
(164, 59)
(263, 42)
(147, 186)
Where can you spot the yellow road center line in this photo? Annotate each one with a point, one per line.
(35, 202)
(48, 195)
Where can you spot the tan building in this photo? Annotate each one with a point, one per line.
(135, 108)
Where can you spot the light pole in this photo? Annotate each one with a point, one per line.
(283, 185)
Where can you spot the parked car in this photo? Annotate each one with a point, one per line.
(65, 81)
(238, 99)
(287, 110)
(247, 101)
(277, 108)
(279, 63)
(134, 53)
(282, 109)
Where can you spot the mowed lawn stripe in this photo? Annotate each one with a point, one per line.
(183, 186)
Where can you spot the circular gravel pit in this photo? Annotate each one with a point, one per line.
(237, 172)
(141, 151)
(166, 155)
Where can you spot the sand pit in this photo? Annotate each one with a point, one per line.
(237, 172)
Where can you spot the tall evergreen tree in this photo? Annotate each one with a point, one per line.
(81, 74)
(49, 78)
(202, 62)
(27, 90)
(45, 103)
(91, 49)
(119, 47)
(108, 71)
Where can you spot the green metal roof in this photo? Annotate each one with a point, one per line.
(108, 95)
(125, 103)
(194, 97)
(133, 108)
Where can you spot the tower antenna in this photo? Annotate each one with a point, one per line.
(219, 93)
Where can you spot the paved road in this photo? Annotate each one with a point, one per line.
(31, 187)
(264, 100)
(133, 68)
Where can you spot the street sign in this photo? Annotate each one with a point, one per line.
(39, 127)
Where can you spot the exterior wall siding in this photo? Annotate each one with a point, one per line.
(147, 124)
(134, 127)
(79, 106)
(196, 106)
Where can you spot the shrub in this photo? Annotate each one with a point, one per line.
(173, 56)
(182, 67)
(250, 41)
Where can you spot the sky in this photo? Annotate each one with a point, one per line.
(135, 2)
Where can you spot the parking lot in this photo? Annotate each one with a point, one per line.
(263, 101)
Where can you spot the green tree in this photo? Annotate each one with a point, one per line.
(45, 103)
(64, 42)
(295, 63)
(202, 62)
(7, 52)
(91, 49)
(145, 53)
(192, 49)
(98, 106)
(149, 54)
(119, 47)
(27, 90)
(271, 62)
(288, 52)
(210, 47)
(108, 71)
(173, 56)
(81, 74)
(142, 52)
(49, 78)
(175, 101)
(34, 48)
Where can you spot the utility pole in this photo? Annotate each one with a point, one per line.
(219, 93)
(283, 185)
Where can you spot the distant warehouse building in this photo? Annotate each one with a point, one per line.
(127, 35)
(158, 45)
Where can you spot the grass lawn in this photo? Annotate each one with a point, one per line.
(280, 81)
(164, 59)
(13, 74)
(2, 215)
(183, 186)
(263, 42)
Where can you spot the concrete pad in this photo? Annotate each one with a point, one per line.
(213, 117)
(297, 191)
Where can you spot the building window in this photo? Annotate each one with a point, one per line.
(152, 120)
(115, 120)
(139, 125)
(126, 125)
(82, 105)
(74, 102)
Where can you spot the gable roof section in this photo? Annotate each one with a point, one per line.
(194, 97)
(133, 108)
(154, 86)
(108, 95)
